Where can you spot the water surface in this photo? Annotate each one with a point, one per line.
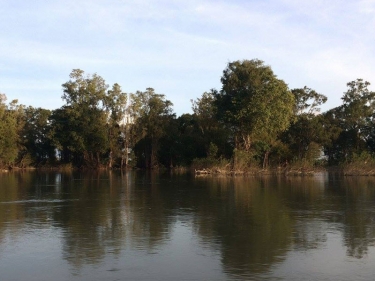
(155, 226)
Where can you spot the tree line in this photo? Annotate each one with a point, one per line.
(254, 120)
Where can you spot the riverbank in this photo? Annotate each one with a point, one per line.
(346, 170)
(356, 171)
(301, 171)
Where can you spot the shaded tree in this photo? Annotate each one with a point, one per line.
(36, 133)
(211, 131)
(306, 134)
(354, 121)
(253, 104)
(115, 107)
(85, 126)
(151, 113)
(11, 123)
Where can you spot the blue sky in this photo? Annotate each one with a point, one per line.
(180, 48)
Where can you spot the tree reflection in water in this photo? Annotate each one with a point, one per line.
(253, 223)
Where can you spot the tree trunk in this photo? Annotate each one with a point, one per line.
(265, 159)
(97, 159)
(246, 142)
(110, 160)
(126, 151)
(153, 154)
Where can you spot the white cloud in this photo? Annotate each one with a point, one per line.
(181, 47)
(367, 6)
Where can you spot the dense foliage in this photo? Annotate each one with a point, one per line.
(254, 120)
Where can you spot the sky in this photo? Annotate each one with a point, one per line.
(180, 48)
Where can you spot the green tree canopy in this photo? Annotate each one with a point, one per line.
(11, 123)
(307, 101)
(151, 113)
(354, 122)
(253, 103)
(306, 135)
(85, 127)
(36, 136)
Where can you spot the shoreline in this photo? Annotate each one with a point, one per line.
(290, 171)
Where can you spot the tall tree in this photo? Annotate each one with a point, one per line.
(151, 113)
(211, 130)
(358, 106)
(115, 106)
(354, 118)
(11, 123)
(254, 104)
(36, 134)
(90, 115)
(205, 110)
(306, 134)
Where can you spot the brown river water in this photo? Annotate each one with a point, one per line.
(162, 226)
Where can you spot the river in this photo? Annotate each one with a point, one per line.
(162, 226)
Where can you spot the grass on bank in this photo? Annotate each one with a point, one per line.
(362, 164)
